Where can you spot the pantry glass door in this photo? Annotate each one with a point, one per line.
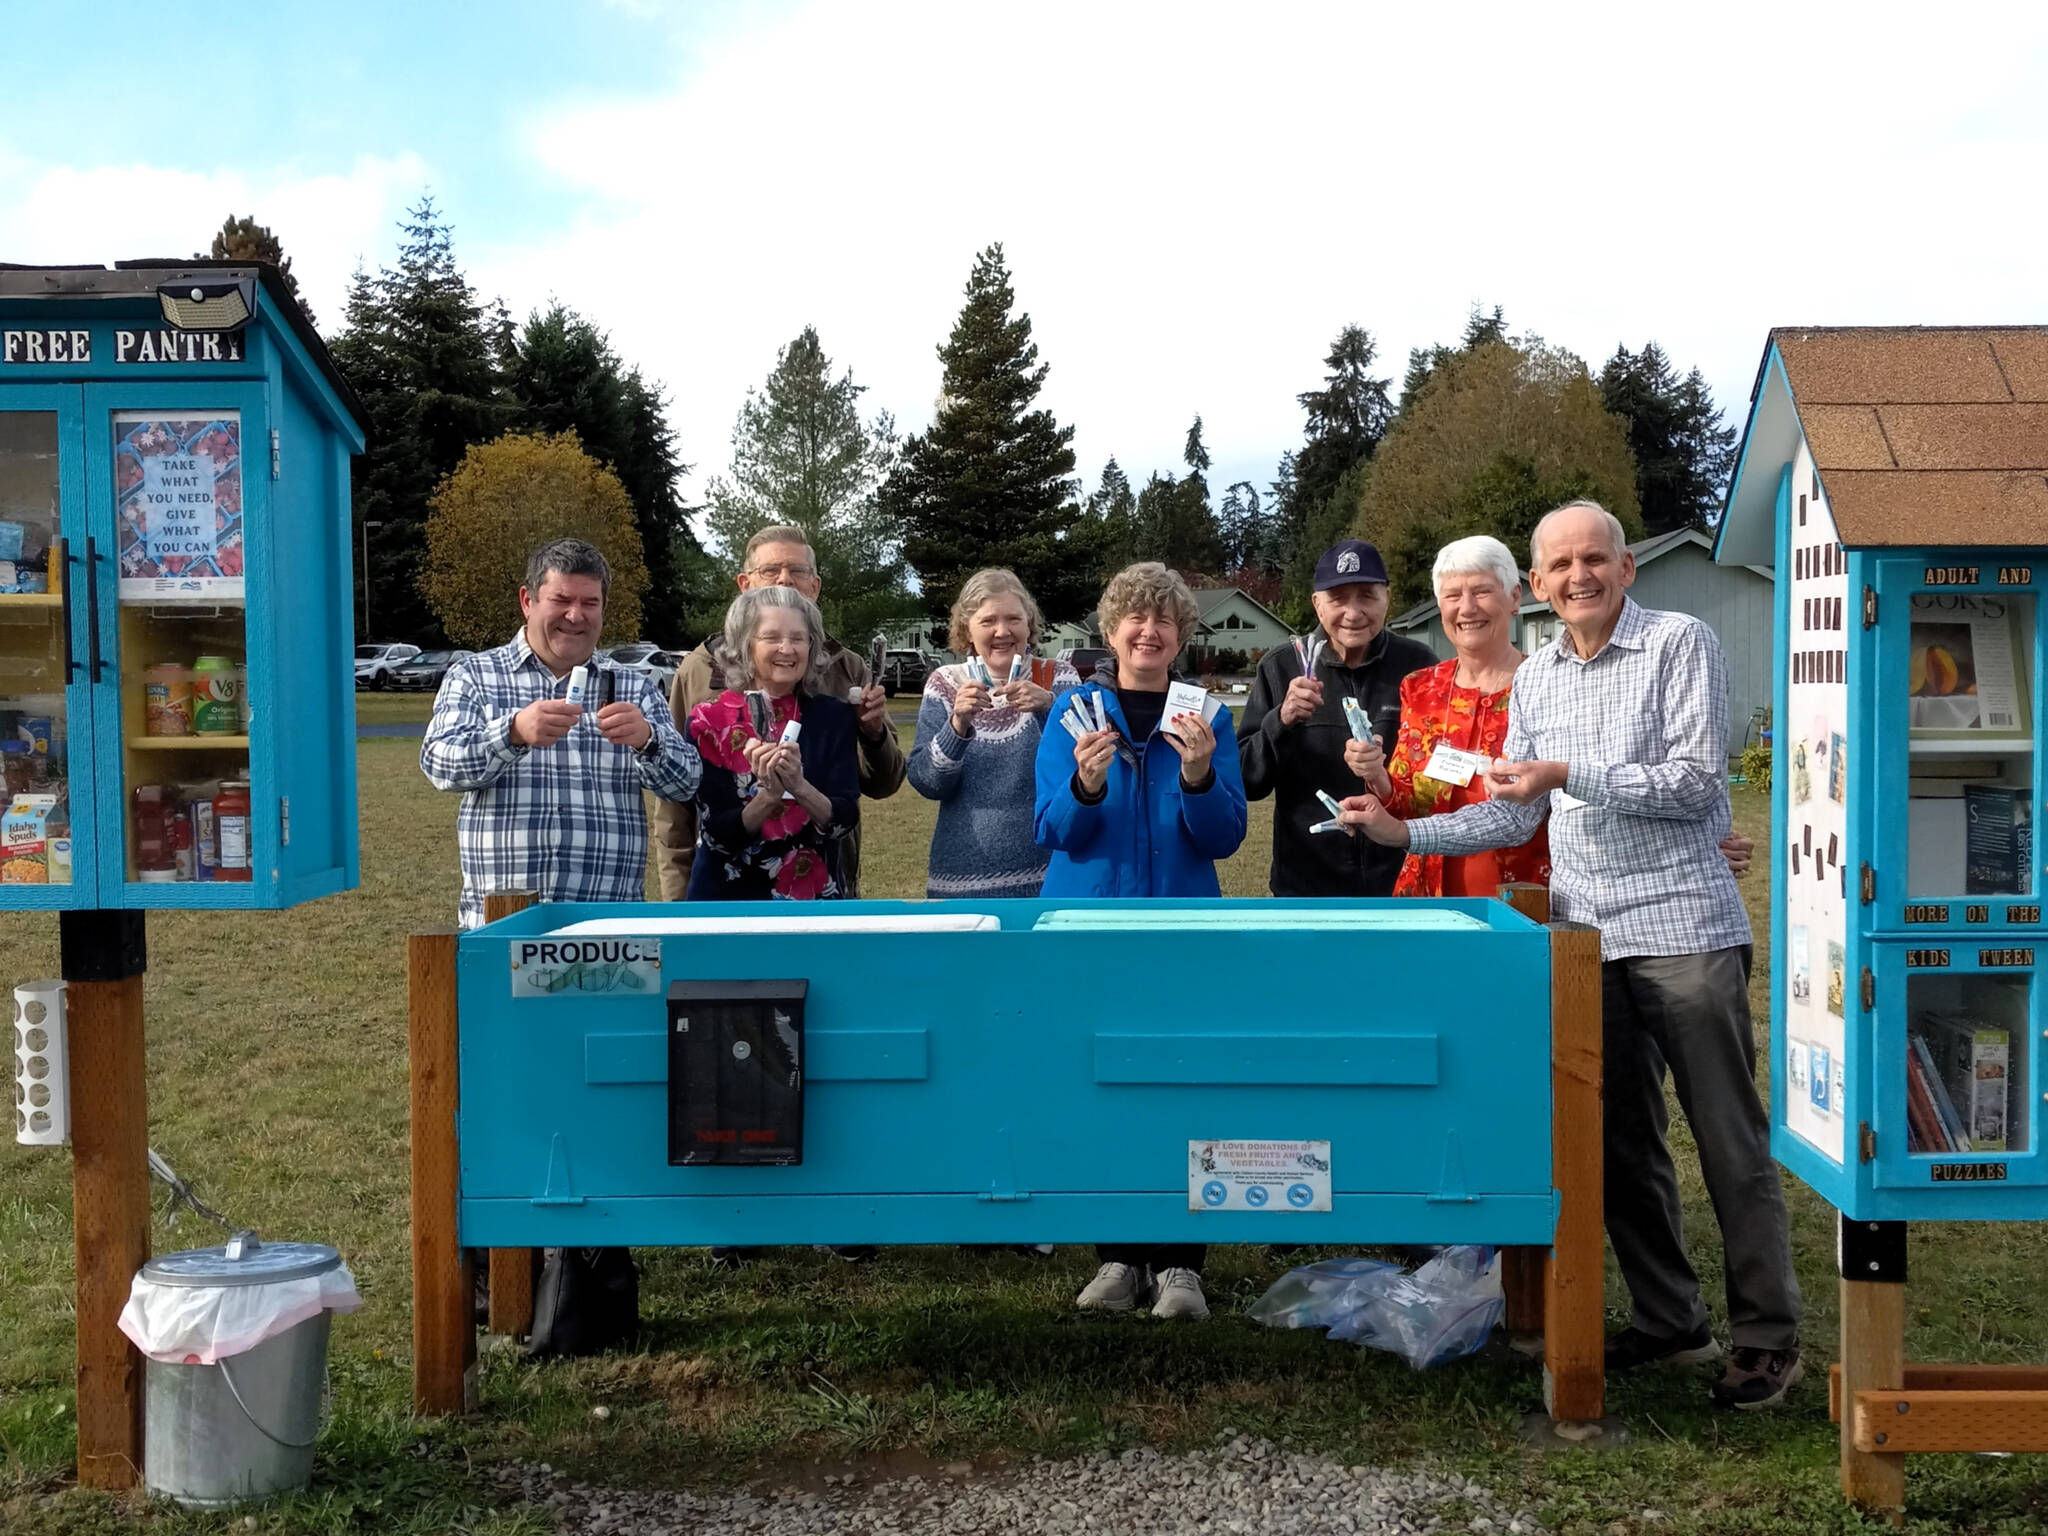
(45, 702)
(179, 467)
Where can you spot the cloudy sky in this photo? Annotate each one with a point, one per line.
(1193, 198)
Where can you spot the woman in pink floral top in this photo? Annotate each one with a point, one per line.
(772, 814)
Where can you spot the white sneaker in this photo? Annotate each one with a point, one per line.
(1116, 1288)
(1180, 1295)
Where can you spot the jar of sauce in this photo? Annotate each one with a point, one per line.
(156, 847)
(231, 832)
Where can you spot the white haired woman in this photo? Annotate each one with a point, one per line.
(1462, 704)
(977, 740)
(772, 811)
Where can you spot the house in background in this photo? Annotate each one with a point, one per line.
(1070, 636)
(1233, 620)
(1674, 571)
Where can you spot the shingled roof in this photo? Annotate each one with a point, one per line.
(1926, 435)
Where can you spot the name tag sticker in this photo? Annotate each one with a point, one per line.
(1452, 765)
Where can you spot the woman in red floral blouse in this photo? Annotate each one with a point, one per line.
(1462, 703)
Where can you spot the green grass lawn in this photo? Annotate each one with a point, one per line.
(278, 1085)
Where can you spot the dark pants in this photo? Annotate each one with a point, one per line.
(1157, 1256)
(1690, 1013)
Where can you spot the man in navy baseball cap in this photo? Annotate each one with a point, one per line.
(1348, 561)
(1292, 732)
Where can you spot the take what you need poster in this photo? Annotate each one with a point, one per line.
(178, 494)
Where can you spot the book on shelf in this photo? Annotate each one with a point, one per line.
(1924, 1129)
(1972, 1062)
(1999, 843)
(1944, 1108)
(1963, 673)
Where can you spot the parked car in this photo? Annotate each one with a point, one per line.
(1084, 659)
(650, 661)
(424, 672)
(377, 662)
(905, 672)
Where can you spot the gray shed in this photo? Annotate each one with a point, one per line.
(1674, 571)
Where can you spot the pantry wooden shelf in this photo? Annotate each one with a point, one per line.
(31, 599)
(189, 743)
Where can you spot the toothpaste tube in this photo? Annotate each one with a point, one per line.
(977, 669)
(760, 714)
(1017, 668)
(1074, 727)
(1354, 716)
(791, 731)
(1330, 805)
(579, 684)
(854, 695)
(1327, 826)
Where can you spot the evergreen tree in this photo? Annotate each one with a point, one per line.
(566, 378)
(243, 239)
(1347, 417)
(1100, 542)
(802, 454)
(1684, 450)
(420, 353)
(1241, 526)
(989, 483)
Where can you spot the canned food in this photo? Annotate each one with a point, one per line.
(167, 701)
(216, 697)
(231, 832)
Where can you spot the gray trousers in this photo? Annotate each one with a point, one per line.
(1690, 1013)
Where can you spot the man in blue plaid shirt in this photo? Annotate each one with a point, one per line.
(551, 791)
(1618, 733)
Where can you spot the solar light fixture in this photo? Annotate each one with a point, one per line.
(195, 302)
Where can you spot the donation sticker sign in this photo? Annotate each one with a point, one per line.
(1273, 1176)
(176, 497)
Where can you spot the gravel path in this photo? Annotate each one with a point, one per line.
(1245, 1488)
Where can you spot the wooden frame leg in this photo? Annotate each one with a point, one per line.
(1873, 1355)
(443, 1324)
(511, 1269)
(1574, 1333)
(1521, 1279)
(110, 1223)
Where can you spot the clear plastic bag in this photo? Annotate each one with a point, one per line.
(1444, 1309)
(1315, 1295)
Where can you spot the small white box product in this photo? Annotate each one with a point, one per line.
(42, 1075)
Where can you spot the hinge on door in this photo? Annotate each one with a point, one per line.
(284, 831)
(1867, 884)
(1869, 607)
(1866, 1142)
(276, 457)
(1869, 990)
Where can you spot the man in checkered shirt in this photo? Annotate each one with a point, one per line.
(551, 797)
(1618, 733)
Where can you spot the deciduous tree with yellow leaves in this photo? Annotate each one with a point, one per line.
(506, 498)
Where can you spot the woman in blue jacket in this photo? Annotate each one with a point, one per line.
(1143, 807)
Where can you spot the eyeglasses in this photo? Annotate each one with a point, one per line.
(776, 572)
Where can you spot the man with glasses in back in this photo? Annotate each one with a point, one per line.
(778, 556)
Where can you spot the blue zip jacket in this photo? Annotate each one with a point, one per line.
(1145, 837)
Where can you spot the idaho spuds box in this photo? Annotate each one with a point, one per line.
(736, 1073)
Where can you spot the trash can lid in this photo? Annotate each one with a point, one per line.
(243, 1259)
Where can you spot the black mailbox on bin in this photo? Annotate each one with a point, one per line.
(736, 1073)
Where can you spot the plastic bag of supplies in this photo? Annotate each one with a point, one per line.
(1446, 1308)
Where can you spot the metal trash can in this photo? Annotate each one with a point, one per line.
(241, 1425)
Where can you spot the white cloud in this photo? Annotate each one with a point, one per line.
(102, 214)
(1194, 199)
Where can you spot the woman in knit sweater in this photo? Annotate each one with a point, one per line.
(977, 740)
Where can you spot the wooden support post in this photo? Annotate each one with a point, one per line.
(1574, 1342)
(103, 960)
(511, 1269)
(1521, 1268)
(1873, 1355)
(443, 1327)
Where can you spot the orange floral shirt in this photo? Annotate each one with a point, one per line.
(1435, 709)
